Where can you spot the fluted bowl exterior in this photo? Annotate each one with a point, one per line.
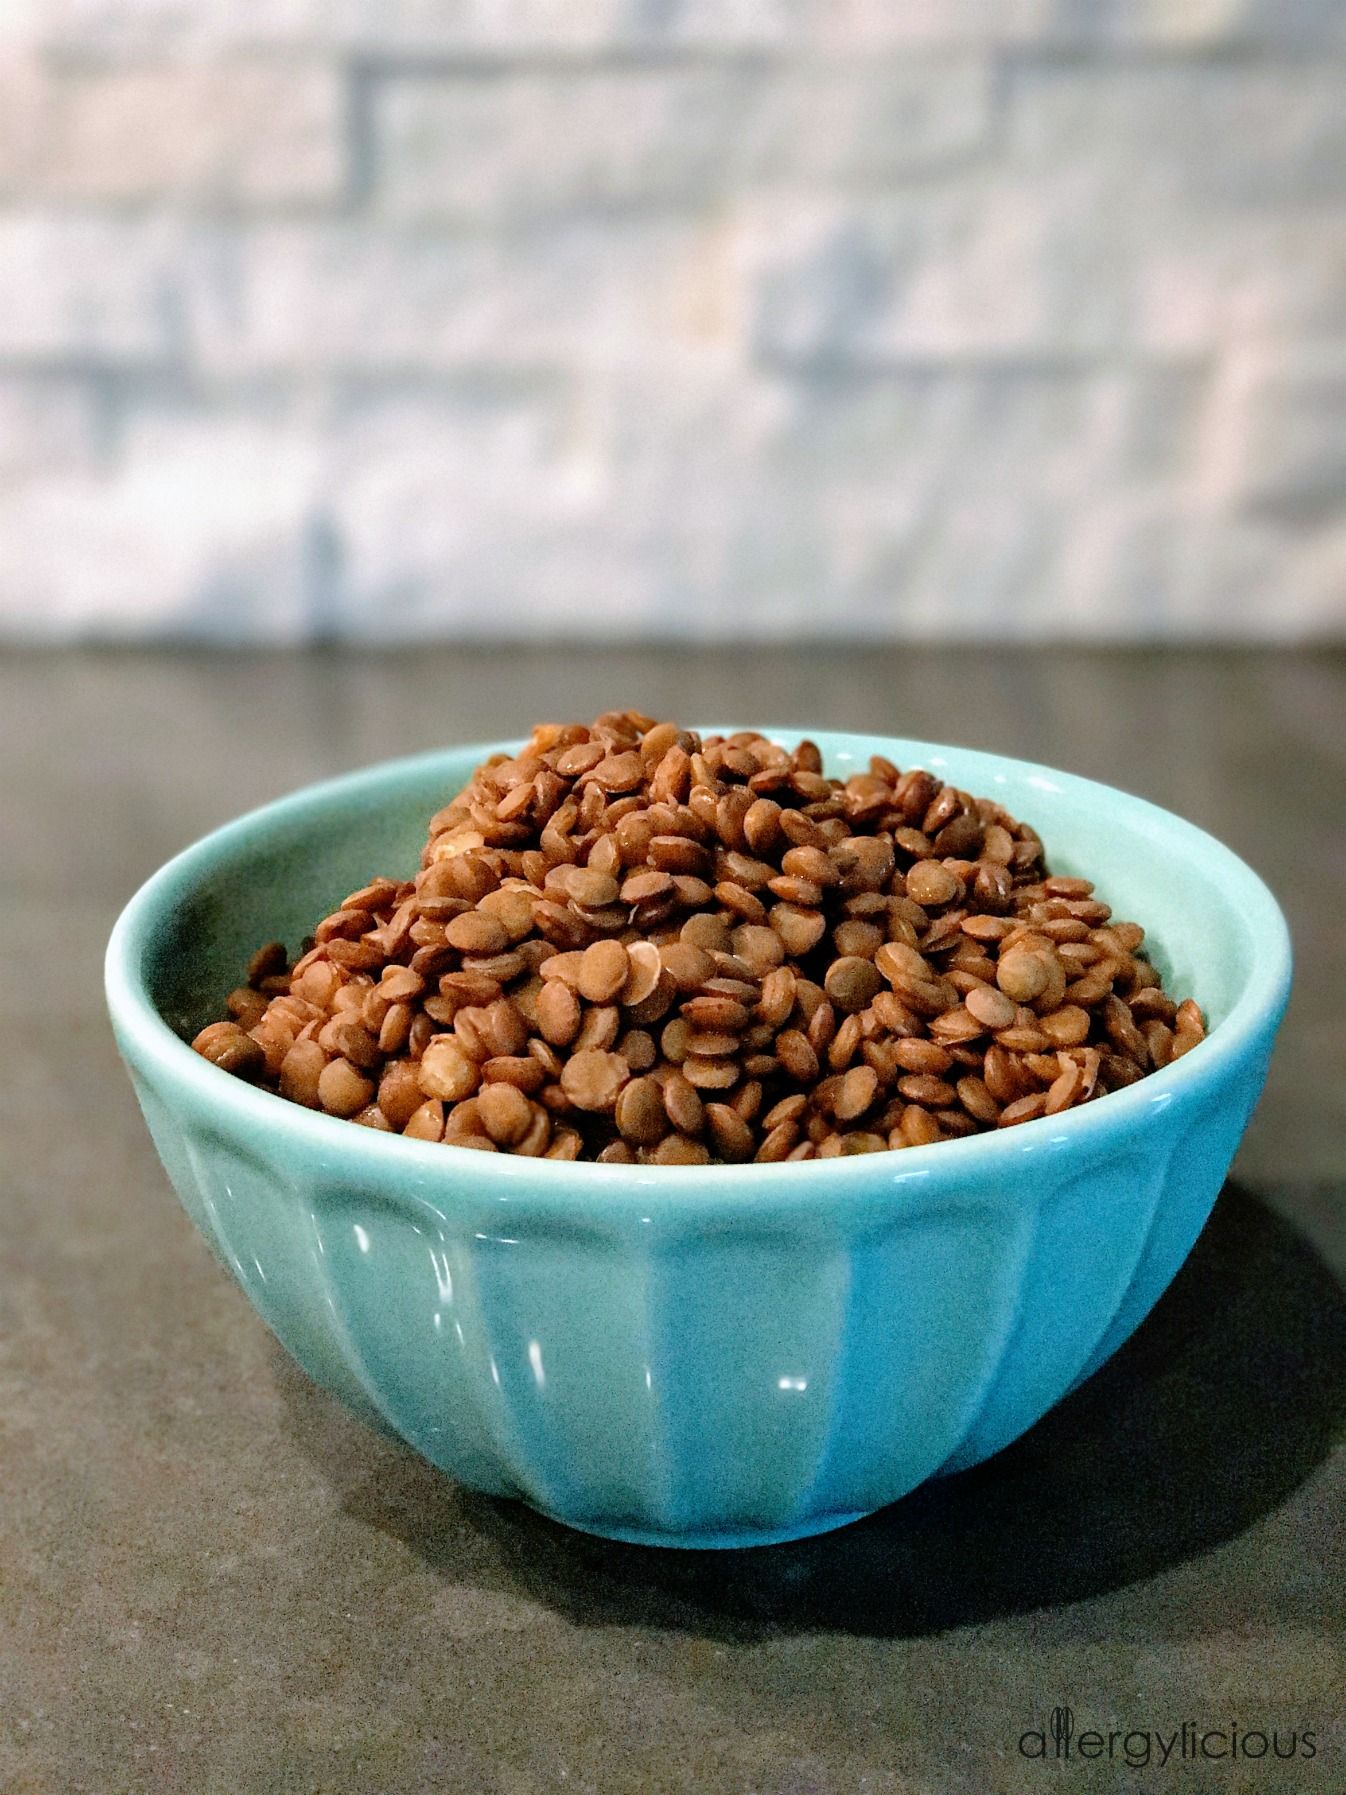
(698, 1355)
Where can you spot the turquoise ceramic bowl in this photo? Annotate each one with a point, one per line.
(688, 1355)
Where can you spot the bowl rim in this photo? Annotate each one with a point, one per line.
(150, 1045)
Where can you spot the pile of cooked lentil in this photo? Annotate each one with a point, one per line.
(632, 944)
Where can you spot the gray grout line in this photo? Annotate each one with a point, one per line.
(1234, 52)
(361, 139)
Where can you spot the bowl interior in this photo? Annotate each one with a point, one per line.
(1210, 924)
(275, 874)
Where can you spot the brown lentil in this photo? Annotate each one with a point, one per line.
(592, 1078)
(505, 1113)
(732, 1137)
(914, 1055)
(682, 1104)
(644, 969)
(992, 1008)
(231, 1048)
(640, 1112)
(1063, 1090)
(342, 1090)
(600, 1028)
(851, 982)
(678, 1150)
(918, 1128)
(300, 1071)
(800, 930)
(558, 1013)
(1023, 1109)
(476, 933)
(447, 1071)
(1023, 975)
(603, 971)
(1067, 1027)
(400, 1094)
(931, 884)
(631, 944)
(426, 1123)
(713, 1074)
(859, 1087)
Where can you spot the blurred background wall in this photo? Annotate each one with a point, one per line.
(703, 318)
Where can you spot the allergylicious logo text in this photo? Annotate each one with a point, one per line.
(1145, 1747)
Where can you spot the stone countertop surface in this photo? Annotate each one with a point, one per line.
(213, 1581)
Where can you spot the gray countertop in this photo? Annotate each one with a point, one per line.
(213, 1580)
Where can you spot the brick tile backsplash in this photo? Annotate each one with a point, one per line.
(735, 318)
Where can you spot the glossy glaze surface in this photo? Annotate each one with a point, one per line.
(698, 1356)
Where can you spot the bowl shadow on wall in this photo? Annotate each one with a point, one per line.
(1215, 1411)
